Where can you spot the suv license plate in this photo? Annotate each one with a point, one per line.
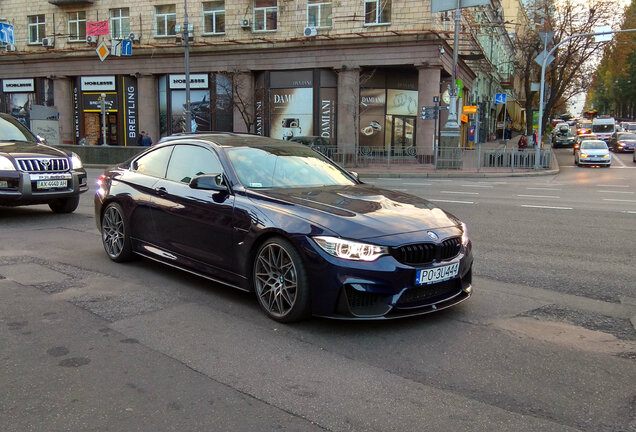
(51, 184)
(437, 274)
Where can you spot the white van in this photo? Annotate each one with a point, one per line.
(603, 128)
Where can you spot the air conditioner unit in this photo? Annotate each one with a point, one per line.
(48, 42)
(10, 47)
(134, 36)
(310, 31)
(91, 39)
(244, 23)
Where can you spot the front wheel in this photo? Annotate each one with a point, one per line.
(64, 205)
(280, 281)
(115, 234)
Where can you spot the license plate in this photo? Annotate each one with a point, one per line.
(51, 184)
(437, 274)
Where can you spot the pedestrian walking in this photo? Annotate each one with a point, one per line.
(145, 141)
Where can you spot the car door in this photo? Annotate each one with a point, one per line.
(138, 191)
(192, 224)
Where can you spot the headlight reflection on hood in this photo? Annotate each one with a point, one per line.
(350, 250)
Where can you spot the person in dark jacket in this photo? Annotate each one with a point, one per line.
(145, 141)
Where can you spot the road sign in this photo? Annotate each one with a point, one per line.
(102, 51)
(6, 34)
(500, 98)
(126, 47)
(603, 37)
(115, 47)
(470, 109)
(446, 5)
(539, 59)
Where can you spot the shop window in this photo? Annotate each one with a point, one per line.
(319, 13)
(377, 12)
(37, 29)
(165, 20)
(76, 26)
(265, 12)
(214, 17)
(119, 23)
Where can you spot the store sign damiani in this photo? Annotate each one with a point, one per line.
(98, 83)
(18, 85)
(197, 81)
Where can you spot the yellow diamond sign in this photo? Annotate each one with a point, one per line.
(102, 51)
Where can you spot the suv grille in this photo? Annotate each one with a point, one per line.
(425, 253)
(38, 165)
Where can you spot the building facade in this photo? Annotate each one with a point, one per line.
(354, 71)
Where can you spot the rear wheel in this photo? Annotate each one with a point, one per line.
(64, 205)
(115, 234)
(280, 281)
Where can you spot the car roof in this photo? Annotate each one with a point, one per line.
(592, 141)
(230, 139)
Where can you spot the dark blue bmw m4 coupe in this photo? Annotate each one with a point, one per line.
(279, 219)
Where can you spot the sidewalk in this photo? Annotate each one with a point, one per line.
(397, 170)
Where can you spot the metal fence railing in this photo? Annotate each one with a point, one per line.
(479, 158)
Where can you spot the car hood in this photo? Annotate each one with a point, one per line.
(627, 141)
(361, 211)
(20, 149)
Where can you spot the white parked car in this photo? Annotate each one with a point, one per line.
(593, 152)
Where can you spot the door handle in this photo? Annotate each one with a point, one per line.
(161, 191)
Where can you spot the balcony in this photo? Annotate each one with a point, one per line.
(507, 81)
(71, 2)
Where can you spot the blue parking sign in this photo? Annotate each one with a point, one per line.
(500, 98)
(126, 47)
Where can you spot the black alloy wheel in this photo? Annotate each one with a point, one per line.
(115, 235)
(280, 281)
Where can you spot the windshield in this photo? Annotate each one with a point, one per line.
(566, 135)
(13, 130)
(593, 145)
(603, 128)
(627, 136)
(284, 167)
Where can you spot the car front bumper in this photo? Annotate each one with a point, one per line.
(21, 187)
(382, 289)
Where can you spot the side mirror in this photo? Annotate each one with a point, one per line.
(213, 182)
(41, 139)
(355, 175)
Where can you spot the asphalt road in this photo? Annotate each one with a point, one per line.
(544, 344)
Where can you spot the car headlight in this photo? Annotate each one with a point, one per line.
(6, 164)
(350, 250)
(465, 238)
(584, 155)
(606, 156)
(76, 162)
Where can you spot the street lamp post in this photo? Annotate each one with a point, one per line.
(186, 37)
(542, 90)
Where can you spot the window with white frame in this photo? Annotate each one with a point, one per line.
(165, 20)
(265, 15)
(214, 17)
(319, 13)
(119, 23)
(377, 12)
(37, 28)
(76, 26)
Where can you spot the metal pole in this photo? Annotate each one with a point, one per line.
(186, 37)
(452, 122)
(542, 89)
(103, 107)
(435, 147)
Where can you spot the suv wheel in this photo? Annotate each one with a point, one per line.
(64, 205)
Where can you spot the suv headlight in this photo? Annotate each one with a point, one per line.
(6, 164)
(76, 162)
(350, 250)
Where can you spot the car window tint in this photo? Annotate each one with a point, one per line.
(154, 163)
(189, 161)
(12, 130)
